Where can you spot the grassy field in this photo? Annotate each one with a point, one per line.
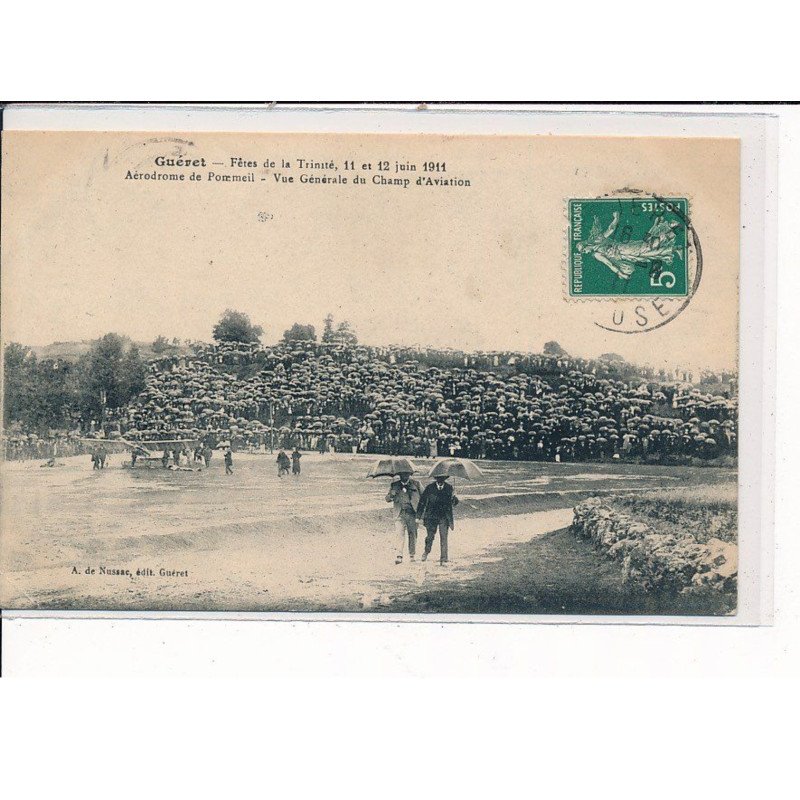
(321, 542)
(707, 511)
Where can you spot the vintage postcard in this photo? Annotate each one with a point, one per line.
(372, 373)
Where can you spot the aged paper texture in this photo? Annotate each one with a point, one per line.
(474, 374)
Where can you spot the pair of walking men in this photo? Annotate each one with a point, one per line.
(434, 507)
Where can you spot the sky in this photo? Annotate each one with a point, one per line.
(86, 251)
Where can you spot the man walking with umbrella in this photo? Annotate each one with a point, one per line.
(439, 498)
(436, 511)
(405, 495)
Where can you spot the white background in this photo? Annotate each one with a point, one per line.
(416, 710)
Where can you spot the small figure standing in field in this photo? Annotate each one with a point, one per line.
(405, 495)
(283, 464)
(228, 462)
(99, 455)
(436, 511)
(296, 456)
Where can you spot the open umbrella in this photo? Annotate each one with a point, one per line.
(456, 468)
(389, 467)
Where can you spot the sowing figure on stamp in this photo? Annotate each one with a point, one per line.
(622, 258)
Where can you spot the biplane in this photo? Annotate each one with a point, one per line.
(148, 454)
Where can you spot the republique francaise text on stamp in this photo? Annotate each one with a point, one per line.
(628, 247)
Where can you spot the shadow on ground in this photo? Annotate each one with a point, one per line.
(556, 573)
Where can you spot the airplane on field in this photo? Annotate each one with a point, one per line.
(146, 454)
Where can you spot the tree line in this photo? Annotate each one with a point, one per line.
(235, 326)
(59, 393)
(41, 394)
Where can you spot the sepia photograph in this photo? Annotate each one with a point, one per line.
(370, 373)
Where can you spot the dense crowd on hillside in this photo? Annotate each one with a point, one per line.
(414, 402)
(399, 401)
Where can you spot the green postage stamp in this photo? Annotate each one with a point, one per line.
(628, 247)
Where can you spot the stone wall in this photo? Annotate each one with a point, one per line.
(656, 560)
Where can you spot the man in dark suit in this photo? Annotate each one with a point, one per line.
(436, 511)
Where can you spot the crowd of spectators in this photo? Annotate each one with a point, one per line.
(424, 403)
(18, 445)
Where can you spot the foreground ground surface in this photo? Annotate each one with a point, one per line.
(319, 542)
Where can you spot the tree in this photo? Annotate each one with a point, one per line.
(133, 374)
(345, 334)
(328, 333)
(18, 368)
(235, 326)
(53, 396)
(160, 345)
(554, 349)
(39, 395)
(110, 375)
(102, 374)
(302, 333)
(53, 392)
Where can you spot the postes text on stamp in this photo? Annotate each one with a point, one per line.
(628, 247)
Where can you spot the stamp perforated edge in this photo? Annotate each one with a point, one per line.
(621, 193)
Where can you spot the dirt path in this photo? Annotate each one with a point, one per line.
(473, 544)
(321, 542)
(353, 570)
